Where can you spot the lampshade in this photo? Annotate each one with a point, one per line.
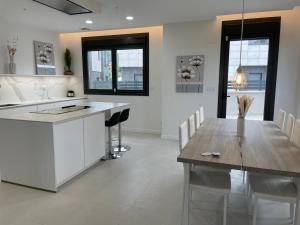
(240, 80)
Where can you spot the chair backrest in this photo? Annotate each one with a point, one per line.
(113, 120)
(183, 135)
(201, 115)
(289, 127)
(192, 125)
(280, 119)
(124, 115)
(296, 134)
(197, 116)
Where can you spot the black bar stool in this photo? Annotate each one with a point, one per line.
(113, 120)
(123, 117)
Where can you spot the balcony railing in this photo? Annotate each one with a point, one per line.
(122, 85)
(259, 85)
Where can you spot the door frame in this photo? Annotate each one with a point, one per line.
(253, 28)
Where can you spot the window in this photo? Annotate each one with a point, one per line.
(116, 65)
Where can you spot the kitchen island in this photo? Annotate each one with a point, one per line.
(44, 150)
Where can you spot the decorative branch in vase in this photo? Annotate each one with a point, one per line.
(12, 49)
(244, 103)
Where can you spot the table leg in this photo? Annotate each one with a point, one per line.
(297, 217)
(186, 194)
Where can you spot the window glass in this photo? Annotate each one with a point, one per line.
(100, 69)
(130, 69)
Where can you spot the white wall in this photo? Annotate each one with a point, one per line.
(146, 111)
(189, 39)
(204, 38)
(298, 61)
(25, 53)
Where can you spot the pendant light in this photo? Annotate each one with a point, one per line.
(240, 81)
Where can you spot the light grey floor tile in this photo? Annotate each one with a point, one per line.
(144, 187)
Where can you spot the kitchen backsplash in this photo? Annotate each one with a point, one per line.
(29, 88)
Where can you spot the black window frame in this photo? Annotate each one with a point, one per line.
(114, 43)
(265, 28)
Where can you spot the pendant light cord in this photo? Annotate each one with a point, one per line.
(242, 32)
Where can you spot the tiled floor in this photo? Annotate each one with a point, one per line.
(142, 188)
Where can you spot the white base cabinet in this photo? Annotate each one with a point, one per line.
(94, 139)
(46, 155)
(68, 150)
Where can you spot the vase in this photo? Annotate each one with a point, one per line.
(241, 127)
(11, 66)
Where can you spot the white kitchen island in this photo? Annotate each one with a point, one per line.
(44, 151)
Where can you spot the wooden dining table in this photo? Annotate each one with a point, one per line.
(263, 149)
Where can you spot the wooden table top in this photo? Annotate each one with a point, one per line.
(264, 148)
(215, 135)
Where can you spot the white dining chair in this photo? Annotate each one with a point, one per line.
(192, 126)
(280, 119)
(208, 181)
(296, 134)
(183, 135)
(197, 117)
(273, 188)
(289, 127)
(201, 109)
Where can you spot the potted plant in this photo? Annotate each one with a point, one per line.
(68, 62)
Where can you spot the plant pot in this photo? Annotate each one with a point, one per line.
(241, 127)
(68, 72)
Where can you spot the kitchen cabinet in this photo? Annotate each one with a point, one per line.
(45, 151)
(94, 138)
(68, 150)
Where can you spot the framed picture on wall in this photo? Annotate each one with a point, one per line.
(190, 74)
(44, 58)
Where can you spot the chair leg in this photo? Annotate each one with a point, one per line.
(186, 195)
(110, 154)
(292, 212)
(254, 211)
(225, 209)
(250, 202)
(247, 190)
(120, 148)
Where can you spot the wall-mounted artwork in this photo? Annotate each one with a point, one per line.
(44, 58)
(189, 74)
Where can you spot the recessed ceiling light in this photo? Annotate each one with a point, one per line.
(129, 17)
(89, 21)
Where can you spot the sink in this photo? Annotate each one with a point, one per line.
(7, 105)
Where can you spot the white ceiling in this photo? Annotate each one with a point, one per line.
(145, 12)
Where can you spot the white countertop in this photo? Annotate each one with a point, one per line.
(40, 102)
(96, 107)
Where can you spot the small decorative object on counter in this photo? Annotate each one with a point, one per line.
(244, 103)
(70, 94)
(12, 49)
(68, 62)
